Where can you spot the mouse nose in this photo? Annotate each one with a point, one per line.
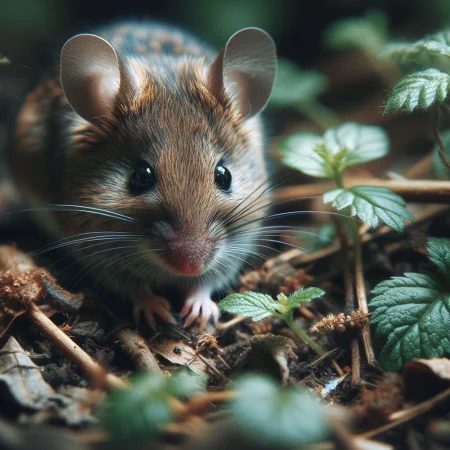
(188, 255)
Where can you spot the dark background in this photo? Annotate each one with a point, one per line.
(31, 31)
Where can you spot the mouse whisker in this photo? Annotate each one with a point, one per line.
(76, 208)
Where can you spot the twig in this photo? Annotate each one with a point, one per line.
(349, 300)
(419, 191)
(137, 349)
(421, 168)
(72, 350)
(231, 323)
(362, 305)
(405, 415)
(326, 355)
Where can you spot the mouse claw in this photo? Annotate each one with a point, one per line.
(151, 304)
(199, 304)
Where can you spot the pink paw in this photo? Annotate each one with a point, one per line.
(199, 304)
(151, 304)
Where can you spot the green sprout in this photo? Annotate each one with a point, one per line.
(258, 306)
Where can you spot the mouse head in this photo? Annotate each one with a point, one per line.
(171, 142)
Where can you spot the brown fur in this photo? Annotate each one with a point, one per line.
(174, 123)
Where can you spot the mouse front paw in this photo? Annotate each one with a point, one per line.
(199, 304)
(151, 304)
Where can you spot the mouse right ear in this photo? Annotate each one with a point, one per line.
(90, 76)
(248, 61)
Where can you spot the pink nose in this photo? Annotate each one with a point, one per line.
(188, 256)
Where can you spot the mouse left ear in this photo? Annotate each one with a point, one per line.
(248, 62)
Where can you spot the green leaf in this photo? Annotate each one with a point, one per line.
(439, 170)
(303, 296)
(350, 144)
(249, 304)
(419, 90)
(412, 314)
(368, 32)
(294, 86)
(433, 51)
(183, 383)
(137, 412)
(371, 204)
(439, 251)
(276, 417)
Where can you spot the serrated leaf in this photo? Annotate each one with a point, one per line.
(419, 90)
(371, 204)
(411, 313)
(350, 144)
(139, 411)
(249, 304)
(304, 296)
(294, 86)
(275, 417)
(367, 32)
(433, 51)
(439, 251)
(440, 171)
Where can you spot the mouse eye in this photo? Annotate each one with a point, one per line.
(142, 179)
(222, 178)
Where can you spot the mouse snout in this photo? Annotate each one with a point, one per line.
(188, 255)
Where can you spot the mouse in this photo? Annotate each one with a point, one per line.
(142, 152)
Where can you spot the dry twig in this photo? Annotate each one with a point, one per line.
(73, 352)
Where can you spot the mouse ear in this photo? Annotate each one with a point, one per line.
(248, 60)
(90, 76)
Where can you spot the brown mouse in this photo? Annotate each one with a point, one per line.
(144, 155)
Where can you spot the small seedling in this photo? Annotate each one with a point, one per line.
(259, 306)
(329, 156)
(412, 313)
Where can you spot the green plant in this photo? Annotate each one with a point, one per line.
(412, 313)
(259, 306)
(368, 32)
(299, 89)
(141, 410)
(276, 417)
(428, 86)
(329, 156)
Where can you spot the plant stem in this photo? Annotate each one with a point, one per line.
(289, 319)
(362, 302)
(319, 114)
(438, 138)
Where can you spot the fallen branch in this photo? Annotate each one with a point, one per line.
(73, 352)
(419, 191)
(135, 346)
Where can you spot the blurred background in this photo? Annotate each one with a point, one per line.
(33, 31)
(333, 74)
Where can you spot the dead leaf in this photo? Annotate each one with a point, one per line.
(22, 378)
(177, 352)
(270, 354)
(24, 388)
(426, 377)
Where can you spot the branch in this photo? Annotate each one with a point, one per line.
(418, 191)
(73, 352)
(137, 349)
